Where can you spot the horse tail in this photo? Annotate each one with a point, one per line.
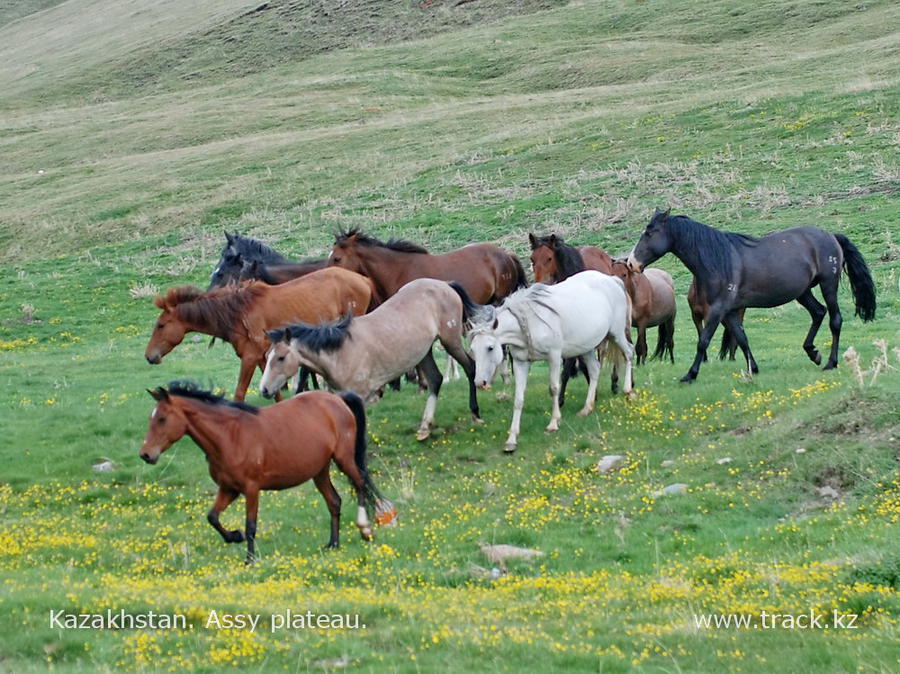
(729, 344)
(521, 278)
(860, 279)
(357, 407)
(469, 307)
(666, 341)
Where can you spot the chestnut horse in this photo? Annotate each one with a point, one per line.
(699, 313)
(652, 295)
(250, 449)
(487, 273)
(553, 260)
(242, 314)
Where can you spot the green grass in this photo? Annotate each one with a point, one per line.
(123, 160)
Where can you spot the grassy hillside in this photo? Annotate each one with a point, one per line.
(133, 134)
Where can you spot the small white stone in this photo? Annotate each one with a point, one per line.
(671, 490)
(610, 462)
(723, 460)
(668, 463)
(828, 492)
(800, 450)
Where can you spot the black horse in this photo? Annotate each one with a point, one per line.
(238, 250)
(735, 271)
(273, 273)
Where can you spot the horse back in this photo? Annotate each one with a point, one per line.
(596, 258)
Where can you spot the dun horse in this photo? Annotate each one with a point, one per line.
(567, 320)
(652, 304)
(362, 354)
(735, 271)
(242, 314)
(278, 447)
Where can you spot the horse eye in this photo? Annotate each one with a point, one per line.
(490, 348)
(159, 326)
(280, 358)
(160, 420)
(336, 258)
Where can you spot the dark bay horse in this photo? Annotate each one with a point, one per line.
(735, 271)
(553, 260)
(275, 273)
(487, 273)
(239, 250)
(242, 314)
(250, 449)
(652, 295)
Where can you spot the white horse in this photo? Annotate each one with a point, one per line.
(569, 319)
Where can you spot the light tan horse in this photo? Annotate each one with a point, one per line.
(362, 354)
(652, 295)
(242, 314)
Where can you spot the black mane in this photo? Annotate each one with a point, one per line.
(190, 389)
(254, 250)
(323, 337)
(568, 260)
(362, 239)
(714, 247)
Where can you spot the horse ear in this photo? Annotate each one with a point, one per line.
(553, 240)
(159, 394)
(229, 238)
(666, 214)
(160, 301)
(495, 324)
(532, 239)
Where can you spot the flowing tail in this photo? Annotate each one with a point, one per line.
(728, 346)
(666, 341)
(860, 279)
(355, 403)
(470, 308)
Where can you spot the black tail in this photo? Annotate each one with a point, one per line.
(521, 279)
(860, 279)
(666, 341)
(729, 344)
(356, 405)
(469, 307)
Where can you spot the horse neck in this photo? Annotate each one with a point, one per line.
(192, 323)
(688, 254)
(388, 269)
(206, 426)
(510, 328)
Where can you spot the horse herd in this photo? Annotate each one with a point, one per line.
(371, 312)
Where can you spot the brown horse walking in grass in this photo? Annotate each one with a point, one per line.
(242, 314)
(553, 260)
(652, 295)
(250, 449)
(487, 273)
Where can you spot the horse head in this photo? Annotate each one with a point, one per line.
(655, 242)
(167, 424)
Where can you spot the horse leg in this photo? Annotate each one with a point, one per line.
(732, 320)
(451, 369)
(817, 313)
(520, 372)
(641, 346)
(829, 293)
(456, 349)
(569, 370)
(224, 497)
(592, 365)
(626, 353)
(434, 378)
(251, 498)
(554, 364)
(333, 501)
(715, 316)
(348, 466)
(246, 374)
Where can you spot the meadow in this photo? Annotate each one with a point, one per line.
(128, 145)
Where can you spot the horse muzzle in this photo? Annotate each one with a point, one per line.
(149, 459)
(634, 265)
(153, 358)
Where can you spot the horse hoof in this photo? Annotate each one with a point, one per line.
(250, 561)
(830, 366)
(687, 379)
(817, 359)
(631, 395)
(583, 412)
(236, 536)
(478, 421)
(331, 545)
(422, 434)
(509, 448)
(551, 429)
(367, 534)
